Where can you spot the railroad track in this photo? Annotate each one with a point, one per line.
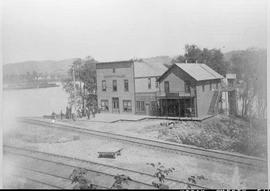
(214, 155)
(38, 184)
(41, 176)
(139, 179)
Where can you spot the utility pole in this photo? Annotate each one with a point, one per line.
(74, 85)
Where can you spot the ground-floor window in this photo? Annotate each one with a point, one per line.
(105, 105)
(127, 107)
(140, 106)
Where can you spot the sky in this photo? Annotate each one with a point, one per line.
(111, 30)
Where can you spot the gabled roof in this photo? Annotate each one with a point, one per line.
(199, 71)
(147, 69)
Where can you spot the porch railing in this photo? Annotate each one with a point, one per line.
(176, 93)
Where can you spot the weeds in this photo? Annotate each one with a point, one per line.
(160, 173)
(78, 176)
(193, 180)
(120, 180)
(222, 133)
(82, 182)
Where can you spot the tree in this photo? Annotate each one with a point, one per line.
(83, 73)
(250, 67)
(213, 58)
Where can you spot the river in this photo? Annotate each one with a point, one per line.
(34, 102)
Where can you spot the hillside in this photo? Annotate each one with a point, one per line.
(48, 66)
(58, 67)
(61, 67)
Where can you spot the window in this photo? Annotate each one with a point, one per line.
(167, 86)
(114, 85)
(104, 85)
(187, 87)
(126, 85)
(140, 106)
(210, 86)
(203, 88)
(216, 85)
(149, 83)
(156, 82)
(104, 105)
(127, 107)
(113, 70)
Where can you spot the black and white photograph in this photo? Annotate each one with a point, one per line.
(134, 94)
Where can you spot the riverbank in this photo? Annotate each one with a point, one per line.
(29, 85)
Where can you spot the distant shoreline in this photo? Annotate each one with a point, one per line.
(29, 86)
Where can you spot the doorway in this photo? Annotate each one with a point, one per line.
(115, 104)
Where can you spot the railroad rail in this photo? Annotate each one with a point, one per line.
(143, 178)
(214, 155)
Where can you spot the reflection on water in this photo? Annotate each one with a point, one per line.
(34, 102)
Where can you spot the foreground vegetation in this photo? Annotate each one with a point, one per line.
(82, 181)
(221, 133)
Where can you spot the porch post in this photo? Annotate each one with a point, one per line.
(195, 106)
(184, 107)
(161, 107)
(167, 111)
(179, 108)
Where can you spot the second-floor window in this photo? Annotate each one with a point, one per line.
(156, 82)
(210, 86)
(167, 86)
(114, 85)
(216, 85)
(104, 85)
(113, 70)
(126, 85)
(149, 83)
(203, 88)
(187, 87)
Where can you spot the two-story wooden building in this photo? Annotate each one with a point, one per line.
(115, 86)
(189, 90)
(128, 86)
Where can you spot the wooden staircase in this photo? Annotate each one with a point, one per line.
(213, 109)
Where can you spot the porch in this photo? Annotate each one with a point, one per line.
(178, 107)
